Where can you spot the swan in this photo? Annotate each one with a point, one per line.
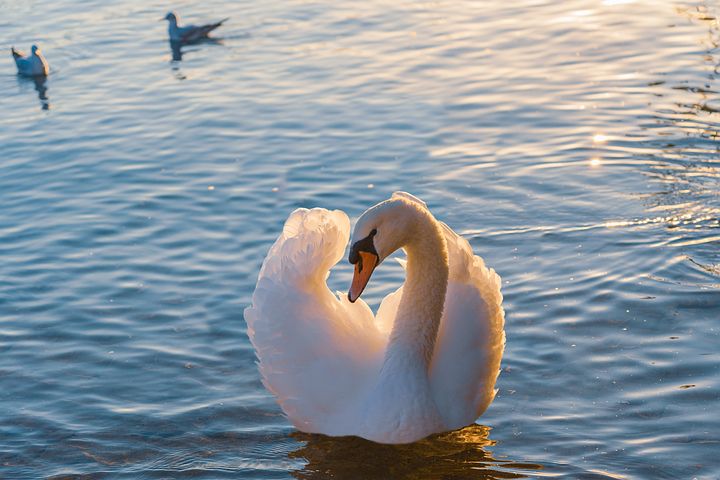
(426, 363)
(189, 33)
(32, 65)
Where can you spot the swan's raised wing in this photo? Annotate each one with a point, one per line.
(471, 338)
(315, 350)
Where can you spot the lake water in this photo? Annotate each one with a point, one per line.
(574, 144)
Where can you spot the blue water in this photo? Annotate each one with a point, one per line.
(574, 144)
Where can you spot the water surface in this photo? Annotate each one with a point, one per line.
(574, 144)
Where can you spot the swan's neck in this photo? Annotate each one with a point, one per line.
(412, 339)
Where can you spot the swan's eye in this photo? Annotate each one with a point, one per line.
(365, 245)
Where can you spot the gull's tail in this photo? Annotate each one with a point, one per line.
(213, 26)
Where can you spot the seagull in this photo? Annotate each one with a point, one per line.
(30, 65)
(188, 33)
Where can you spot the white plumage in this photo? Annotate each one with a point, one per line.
(32, 65)
(426, 363)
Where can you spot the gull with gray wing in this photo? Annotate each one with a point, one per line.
(189, 33)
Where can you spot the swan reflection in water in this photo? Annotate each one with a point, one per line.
(40, 83)
(458, 454)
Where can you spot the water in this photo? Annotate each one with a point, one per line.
(575, 145)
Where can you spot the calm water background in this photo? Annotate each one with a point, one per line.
(575, 145)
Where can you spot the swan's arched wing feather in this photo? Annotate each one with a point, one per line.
(471, 338)
(313, 348)
(387, 312)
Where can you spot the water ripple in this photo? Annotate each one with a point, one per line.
(574, 144)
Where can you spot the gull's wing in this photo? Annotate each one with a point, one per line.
(17, 53)
(191, 33)
(23, 63)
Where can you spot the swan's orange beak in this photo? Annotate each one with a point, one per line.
(363, 269)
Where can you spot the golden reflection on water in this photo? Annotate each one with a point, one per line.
(459, 454)
(686, 163)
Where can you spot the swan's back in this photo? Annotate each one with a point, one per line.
(315, 350)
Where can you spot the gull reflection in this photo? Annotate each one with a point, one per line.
(40, 83)
(458, 454)
(176, 48)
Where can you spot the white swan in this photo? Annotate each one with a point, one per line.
(426, 363)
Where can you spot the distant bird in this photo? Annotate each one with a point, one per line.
(32, 65)
(189, 33)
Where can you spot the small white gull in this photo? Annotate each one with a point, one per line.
(31, 65)
(189, 33)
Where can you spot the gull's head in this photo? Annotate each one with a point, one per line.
(379, 231)
(171, 17)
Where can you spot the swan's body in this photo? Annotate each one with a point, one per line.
(188, 33)
(428, 361)
(33, 65)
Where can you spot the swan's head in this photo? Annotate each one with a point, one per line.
(35, 49)
(380, 231)
(171, 17)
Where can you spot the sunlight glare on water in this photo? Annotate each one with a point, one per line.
(574, 144)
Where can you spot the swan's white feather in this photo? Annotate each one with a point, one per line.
(315, 350)
(408, 197)
(471, 340)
